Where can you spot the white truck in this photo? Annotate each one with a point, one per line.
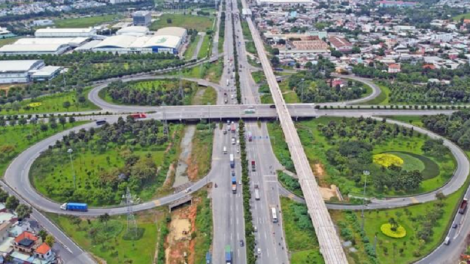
(257, 192)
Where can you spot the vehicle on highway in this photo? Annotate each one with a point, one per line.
(228, 255)
(250, 136)
(455, 225)
(241, 243)
(238, 142)
(233, 173)
(81, 207)
(233, 141)
(258, 251)
(234, 185)
(225, 150)
(272, 106)
(274, 214)
(240, 182)
(250, 111)
(253, 165)
(100, 122)
(233, 127)
(138, 115)
(225, 132)
(232, 161)
(257, 197)
(447, 241)
(463, 206)
(188, 190)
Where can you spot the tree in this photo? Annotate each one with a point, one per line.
(104, 218)
(66, 105)
(75, 220)
(50, 240)
(44, 127)
(43, 234)
(3, 196)
(169, 21)
(71, 119)
(336, 53)
(62, 121)
(23, 211)
(275, 61)
(12, 203)
(275, 51)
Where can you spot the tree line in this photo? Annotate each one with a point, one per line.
(153, 93)
(456, 127)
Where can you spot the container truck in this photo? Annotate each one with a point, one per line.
(100, 122)
(234, 184)
(463, 206)
(232, 161)
(82, 207)
(228, 255)
(253, 167)
(257, 192)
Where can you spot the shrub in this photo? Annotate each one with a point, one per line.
(387, 230)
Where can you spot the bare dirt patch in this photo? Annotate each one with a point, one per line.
(180, 245)
(328, 193)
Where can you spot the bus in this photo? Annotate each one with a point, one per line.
(274, 214)
(250, 111)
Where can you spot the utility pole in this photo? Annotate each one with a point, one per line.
(366, 173)
(131, 224)
(165, 123)
(70, 151)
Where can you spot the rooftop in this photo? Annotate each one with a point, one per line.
(65, 30)
(26, 235)
(16, 66)
(43, 249)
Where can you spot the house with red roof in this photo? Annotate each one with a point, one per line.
(394, 68)
(44, 252)
(26, 242)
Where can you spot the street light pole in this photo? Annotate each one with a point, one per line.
(302, 95)
(209, 119)
(70, 151)
(366, 173)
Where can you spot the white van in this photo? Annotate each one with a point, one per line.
(447, 241)
(225, 150)
(233, 141)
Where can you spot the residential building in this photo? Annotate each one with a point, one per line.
(394, 68)
(27, 242)
(44, 252)
(340, 44)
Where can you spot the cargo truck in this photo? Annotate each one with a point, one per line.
(228, 255)
(463, 206)
(233, 127)
(82, 207)
(257, 192)
(232, 161)
(100, 122)
(234, 184)
(253, 166)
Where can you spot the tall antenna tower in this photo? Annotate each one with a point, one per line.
(131, 223)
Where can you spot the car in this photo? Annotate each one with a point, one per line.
(233, 173)
(272, 106)
(455, 225)
(187, 190)
(240, 182)
(242, 243)
(259, 251)
(255, 229)
(225, 132)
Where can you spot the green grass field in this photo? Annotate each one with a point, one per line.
(188, 54)
(414, 120)
(406, 217)
(209, 96)
(205, 48)
(106, 241)
(316, 146)
(209, 71)
(201, 153)
(199, 23)
(464, 16)
(84, 22)
(382, 99)
(300, 235)
(50, 103)
(7, 41)
(258, 76)
(51, 172)
(19, 138)
(279, 145)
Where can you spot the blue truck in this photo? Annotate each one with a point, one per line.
(228, 255)
(234, 184)
(82, 207)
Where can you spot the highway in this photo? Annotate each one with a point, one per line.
(228, 213)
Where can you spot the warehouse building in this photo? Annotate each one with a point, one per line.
(65, 32)
(18, 71)
(173, 31)
(145, 44)
(39, 46)
(284, 2)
